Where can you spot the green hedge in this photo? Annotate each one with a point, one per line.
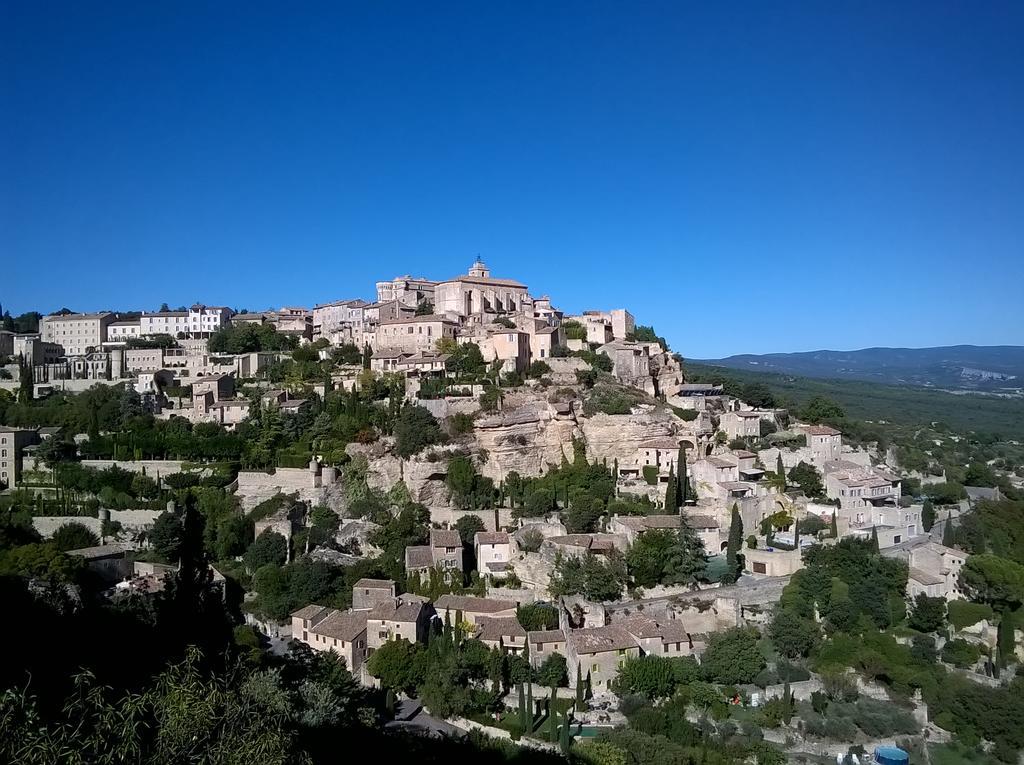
(963, 613)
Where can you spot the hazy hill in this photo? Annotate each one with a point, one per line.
(995, 368)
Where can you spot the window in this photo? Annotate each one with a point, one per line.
(896, 539)
(595, 668)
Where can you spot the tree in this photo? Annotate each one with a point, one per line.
(733, 657)
(268, 548)
(808, 479)
(650, 676)
(928, 614)
(927, 515)
(426, 308)
(687, 559)
(733, 559)
(948, 533)
(993, 580)
(791, 634)
(553, 672)
(415, 430)
(671, 492)
(874, 538)
(167, 535)
(395, 665)
(536, 617)
(819, 409)
(833, 527)
(648, 557)
(796, 533)
(780, 472)
(758, 395)
(26, 387)
(73, 536)
(468, 526)
(683, 492)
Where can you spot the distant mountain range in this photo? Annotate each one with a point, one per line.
(989, 368)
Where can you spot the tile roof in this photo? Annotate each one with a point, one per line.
(489, 280)
(342, 625)
(744, 454)
(491, 538)
(396, 610)
(661, 443)
(445, 538)
(546, 636)
(308, 612)
(496, 627)
(375, 583)
(923, 577)
(821, 430)
(611, 637)
(701, 522)
(473, 604)
(434, 317)
(418, 556)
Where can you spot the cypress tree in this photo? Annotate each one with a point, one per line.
(671, 492)
(780, 471)
(927, 515)
(367, 355)
(796, 533)
(787, 704)
(948, 533)
(522, 707)
(1005, 639)
(529, 708)
(732, 549)
(580, 690)
(835, 526)
(683, 492)
(552, 717)
(874, 538)
(564, 740)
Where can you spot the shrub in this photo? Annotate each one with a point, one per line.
(530, 540)
(963, 613)
(460, 423)
(537, 369)
(650, 473)
(961, 653)
(415, 430)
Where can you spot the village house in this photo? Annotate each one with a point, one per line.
(729, 477)
(502, 632)
(934, 569)
(12, 443)
(497, 343)
(598, 653)
(467, 609)
(443, 552)
(857, 486)
(413, 334)
(405, 617)
(413, 291)
(222, 386)
(478, 292)
(578, 545)
(544, 643)
(33, 349)
(659, 454)
(173, 323)
(493, 550)
(891, 524)
(658, 638)
(367, 593)
(740, 424)
(825, 443)
(772, 561)
(77, 333)
(327, 629)
(123, 331)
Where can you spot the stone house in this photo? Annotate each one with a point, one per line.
(327, 629)
(443, 552)
(658, 638)
(772, 561)
(858, 487)
(544, 643)
(493, 550)
(741, 424)
(934, 571)
(412, 291)
(468, 609)
(413, 334)
(577, 545)
(503, 632)
(825, 443)
(12, 443)
(367, 593)
(405, 617)
(599, 653)
(76, 333)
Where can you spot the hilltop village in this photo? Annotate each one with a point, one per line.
(511, 517)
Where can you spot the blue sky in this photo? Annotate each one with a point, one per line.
(746, 177)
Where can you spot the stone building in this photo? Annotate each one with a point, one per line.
(77, 333)
(413, 334)
(478, 292)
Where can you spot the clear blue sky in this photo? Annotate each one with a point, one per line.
(748, 177)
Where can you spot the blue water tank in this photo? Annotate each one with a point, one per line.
(891, 755)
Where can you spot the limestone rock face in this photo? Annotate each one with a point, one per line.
(525, 439)
(618, 436)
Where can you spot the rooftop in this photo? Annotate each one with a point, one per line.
(491, 538)
(473, 604)
(445, 538)
(494, 628)
(611, 637)
(418, 556)
(342, 625)
(372, 584)
(546, 636)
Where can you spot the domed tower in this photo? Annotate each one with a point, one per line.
(479, 269)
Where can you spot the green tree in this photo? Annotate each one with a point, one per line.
(167, 535)
(993, 580)
(927, 515)
(733, 558)
(268, 548)
(928, 614)
(650, 676)
(535, 617)
(688, 560)
(833, 527)
(648, 558)
(395, 665)
(468, 526)
(819, 409)
(780, 472)
(808, 479)
(733, 657)
(415, 430)
(73, 536)
(671, 492)
(683, 482)
(553, 672)
(948, 533)
(791, 634)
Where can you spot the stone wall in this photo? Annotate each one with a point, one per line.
(152, 468)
